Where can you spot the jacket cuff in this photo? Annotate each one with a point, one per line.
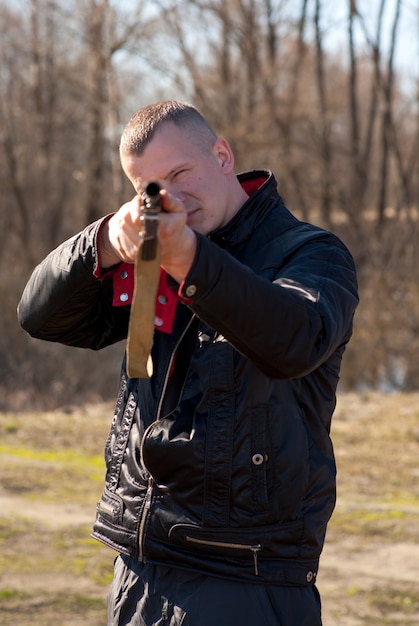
(188, 288)
(98, 271)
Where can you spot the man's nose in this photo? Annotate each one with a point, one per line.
(174, 190)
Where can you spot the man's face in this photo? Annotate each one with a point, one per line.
(200, 178)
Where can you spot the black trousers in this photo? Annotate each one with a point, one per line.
(149, 595)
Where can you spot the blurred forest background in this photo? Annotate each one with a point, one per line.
(323, 92)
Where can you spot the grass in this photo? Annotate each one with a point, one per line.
(52, 468)
(396, 601)
(54, 475)
(376, 440)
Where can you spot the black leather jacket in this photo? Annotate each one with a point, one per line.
(225, 467)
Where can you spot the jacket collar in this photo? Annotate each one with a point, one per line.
(262, 186)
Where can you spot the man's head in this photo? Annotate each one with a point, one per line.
(143, 125)
(172, 143)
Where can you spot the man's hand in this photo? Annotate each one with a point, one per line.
(177, 240)
(121, 236)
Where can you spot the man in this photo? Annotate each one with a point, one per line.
(220, 470)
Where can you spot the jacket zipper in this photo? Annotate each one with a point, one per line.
(169, 368)
(149, 494)
(143, 520)
(255, 549)
(105, 507)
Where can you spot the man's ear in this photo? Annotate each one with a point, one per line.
(224, 154)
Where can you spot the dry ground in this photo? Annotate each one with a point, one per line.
(51, 473)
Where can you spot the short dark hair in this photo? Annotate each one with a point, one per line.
(146, 121)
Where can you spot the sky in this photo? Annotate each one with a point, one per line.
(335, 14)
(407, 50)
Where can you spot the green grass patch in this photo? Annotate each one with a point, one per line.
(50, 609)
(77, 462)
(396, 601)
(395, 524)
(51, 476)
(12, 594)
(28, 549)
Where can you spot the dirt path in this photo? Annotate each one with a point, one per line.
(353, 573)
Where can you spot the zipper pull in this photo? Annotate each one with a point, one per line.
(255, 550)
(149, 494)
(144, 514)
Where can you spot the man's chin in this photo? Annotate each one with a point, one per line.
(196, 224)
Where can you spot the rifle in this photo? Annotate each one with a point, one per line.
(146, 280)
(152, 207)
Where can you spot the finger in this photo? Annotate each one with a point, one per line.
(134, 211)
(125, 230)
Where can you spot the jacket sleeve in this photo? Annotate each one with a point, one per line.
(63, 300)
(289, 316)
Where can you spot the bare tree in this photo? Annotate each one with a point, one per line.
(59, 115)
(337, 129)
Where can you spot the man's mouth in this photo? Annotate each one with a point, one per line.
(192, 213)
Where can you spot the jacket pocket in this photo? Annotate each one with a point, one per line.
(261, 463)
(276, 541)
(110, 507)
(111, 528)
